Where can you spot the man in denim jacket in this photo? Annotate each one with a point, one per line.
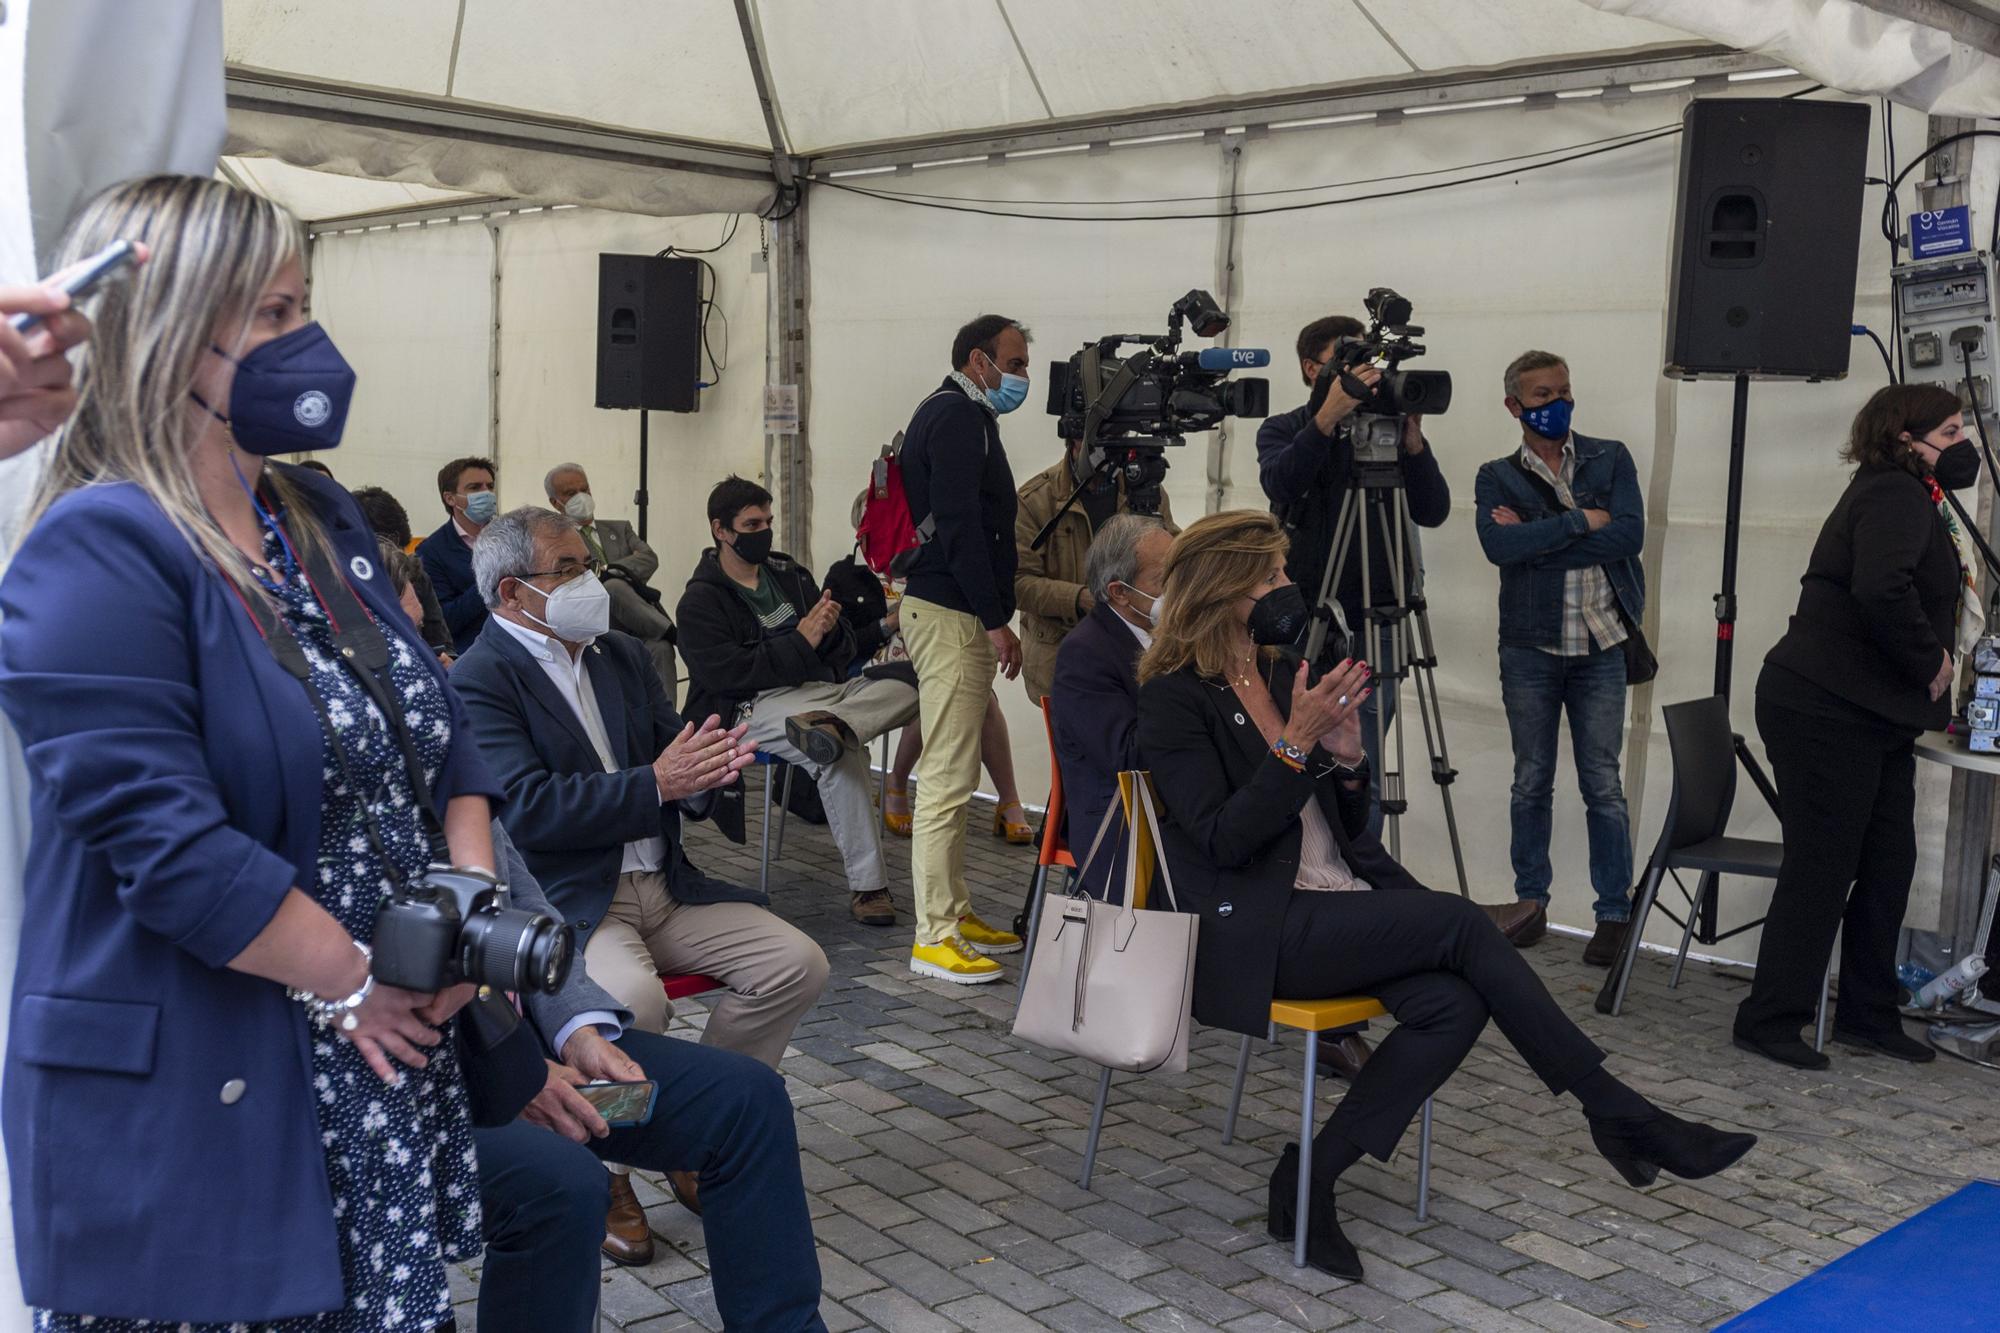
(1563, 519)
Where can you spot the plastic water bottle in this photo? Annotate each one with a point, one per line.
(1943, 988)
(1913, 977)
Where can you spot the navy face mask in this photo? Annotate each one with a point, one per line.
(290, 395)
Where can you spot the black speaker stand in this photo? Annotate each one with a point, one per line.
(1707, 928)
(639, 496)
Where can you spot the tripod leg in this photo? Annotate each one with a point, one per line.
(1336, 562)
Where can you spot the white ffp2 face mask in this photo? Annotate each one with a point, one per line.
(580, 507)
(577, 612)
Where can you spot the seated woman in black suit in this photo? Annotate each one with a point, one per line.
(1265, 786)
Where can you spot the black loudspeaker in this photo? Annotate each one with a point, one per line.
(1767, 231)
(648, 332)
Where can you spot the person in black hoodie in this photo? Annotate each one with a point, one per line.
(766, 645)
(955, 610)
(1887, 602)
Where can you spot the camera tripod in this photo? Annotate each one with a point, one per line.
(1402, 626)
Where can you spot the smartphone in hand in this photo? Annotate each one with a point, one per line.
(623, 1105)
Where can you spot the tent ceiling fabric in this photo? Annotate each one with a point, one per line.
(1888, 47)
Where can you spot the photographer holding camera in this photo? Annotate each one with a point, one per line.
(1305, 460)
(217, 1113)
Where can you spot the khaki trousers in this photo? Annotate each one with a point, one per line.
(774, 973)
(955, 663)
(869, 708)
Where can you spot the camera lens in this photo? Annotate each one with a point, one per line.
(515, 951)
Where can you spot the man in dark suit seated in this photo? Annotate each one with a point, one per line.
(1094, 699)
(597, 769)
(626, 564)
(542, 1190)
(466, 487)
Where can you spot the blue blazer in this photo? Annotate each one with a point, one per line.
(1094, 709)
(1536, 554)
(448, 560)
(569, 818)
(159, 1109)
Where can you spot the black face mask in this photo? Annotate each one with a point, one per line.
(1957, 467)
(753, 547)
(1279, 617)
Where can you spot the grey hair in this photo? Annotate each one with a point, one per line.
(549, 480)
(1114, 553)
(1526, 362)
(505, 548)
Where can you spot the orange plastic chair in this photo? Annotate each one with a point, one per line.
(680, 985)
(1054, 852)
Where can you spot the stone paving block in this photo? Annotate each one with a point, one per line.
(894, 1311)
(840, 1277)
(984, 1314)
(838, 1318)
(1009, 1282)
(1166, 1319)
(931, 1284)
(1080, 1317)
(1112, 1255)
(938, 1243)
(695, 1297)
(1465, 1312)
(1552, 1314)
(1584, 1263)
(1477, 1282)
(1289, 1303)
(1026, 1250)
(1186, 1292)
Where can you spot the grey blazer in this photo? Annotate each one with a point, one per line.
(622, 546)
(579, 995)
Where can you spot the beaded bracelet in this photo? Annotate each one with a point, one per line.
(1290, 755)
(339, 1013)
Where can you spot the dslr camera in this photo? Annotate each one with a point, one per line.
(453, 926)
(1376, 427)
(1128, 409)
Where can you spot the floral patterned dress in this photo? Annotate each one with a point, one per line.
(400, 1159)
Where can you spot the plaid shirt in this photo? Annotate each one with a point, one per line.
(1590, 607)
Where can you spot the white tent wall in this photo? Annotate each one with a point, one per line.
(412, 309)
(1573, 258)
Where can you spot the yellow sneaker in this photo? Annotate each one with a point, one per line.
(950, 960)
(986, 939)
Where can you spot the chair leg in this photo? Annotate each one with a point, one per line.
(1611, 999)
(1707, 886)
(1236, 1092)
(882, 782)
(1424, 1165)
(1306, 1098)
(1825, 986)
(1034, 928)
(764, 859)
(784, 808)
(1096, 1128)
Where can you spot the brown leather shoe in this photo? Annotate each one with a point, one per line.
(873, 908)
(820, 736)
(627, 1238)
(1523, 921)
(1343, 1056)
(686, 1186)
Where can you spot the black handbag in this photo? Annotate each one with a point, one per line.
(856, 589)
(500, 1058)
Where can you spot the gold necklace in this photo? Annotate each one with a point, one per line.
(1247, 681)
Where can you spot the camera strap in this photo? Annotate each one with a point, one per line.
(363, 651)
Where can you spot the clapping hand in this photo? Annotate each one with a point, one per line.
(820, 621)
(1329, 713)
(701, 759)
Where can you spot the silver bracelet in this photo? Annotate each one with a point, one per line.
(338, 1013)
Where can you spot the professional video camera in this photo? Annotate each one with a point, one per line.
(456, 925)
(1376, 427)
(1129, 409)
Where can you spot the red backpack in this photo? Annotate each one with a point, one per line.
(884, 531)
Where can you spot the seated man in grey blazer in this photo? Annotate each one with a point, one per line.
(720, 1116)
(626, 565)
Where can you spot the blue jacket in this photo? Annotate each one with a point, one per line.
(448, 560)
(570, 818)
(1094, 712)
(1537, 552)
(176, 800)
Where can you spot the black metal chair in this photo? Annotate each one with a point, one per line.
(1693, 838)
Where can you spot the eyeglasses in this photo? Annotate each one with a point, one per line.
(566, 572)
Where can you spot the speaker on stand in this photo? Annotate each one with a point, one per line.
(648, 342)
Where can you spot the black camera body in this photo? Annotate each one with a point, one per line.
(452, 926)
(1390, 340)
(1128, 409)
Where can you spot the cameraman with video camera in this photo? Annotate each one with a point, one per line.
(1305, 460)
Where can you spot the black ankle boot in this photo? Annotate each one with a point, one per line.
(1642, 1148)
(1281, 1220)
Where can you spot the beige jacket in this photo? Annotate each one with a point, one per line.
(1047, 582)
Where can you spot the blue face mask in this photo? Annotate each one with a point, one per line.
(290, 394)
(1013, 391)
(481, 506)
(1550, 420)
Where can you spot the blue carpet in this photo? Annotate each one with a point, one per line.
(1935, 1272)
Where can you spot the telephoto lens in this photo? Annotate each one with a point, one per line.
(508, 949)
(454, 925)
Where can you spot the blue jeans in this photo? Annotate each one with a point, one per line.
(721, 1114)
(1537, 689)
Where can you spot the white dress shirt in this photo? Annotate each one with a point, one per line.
(572, 681)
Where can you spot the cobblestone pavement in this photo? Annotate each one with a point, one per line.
(941, 1157)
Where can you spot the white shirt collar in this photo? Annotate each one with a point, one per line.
(465, 534)
(1144, 636)
(544, 647)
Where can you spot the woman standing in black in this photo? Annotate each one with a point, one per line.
(1887, 603)
(1265, 786)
